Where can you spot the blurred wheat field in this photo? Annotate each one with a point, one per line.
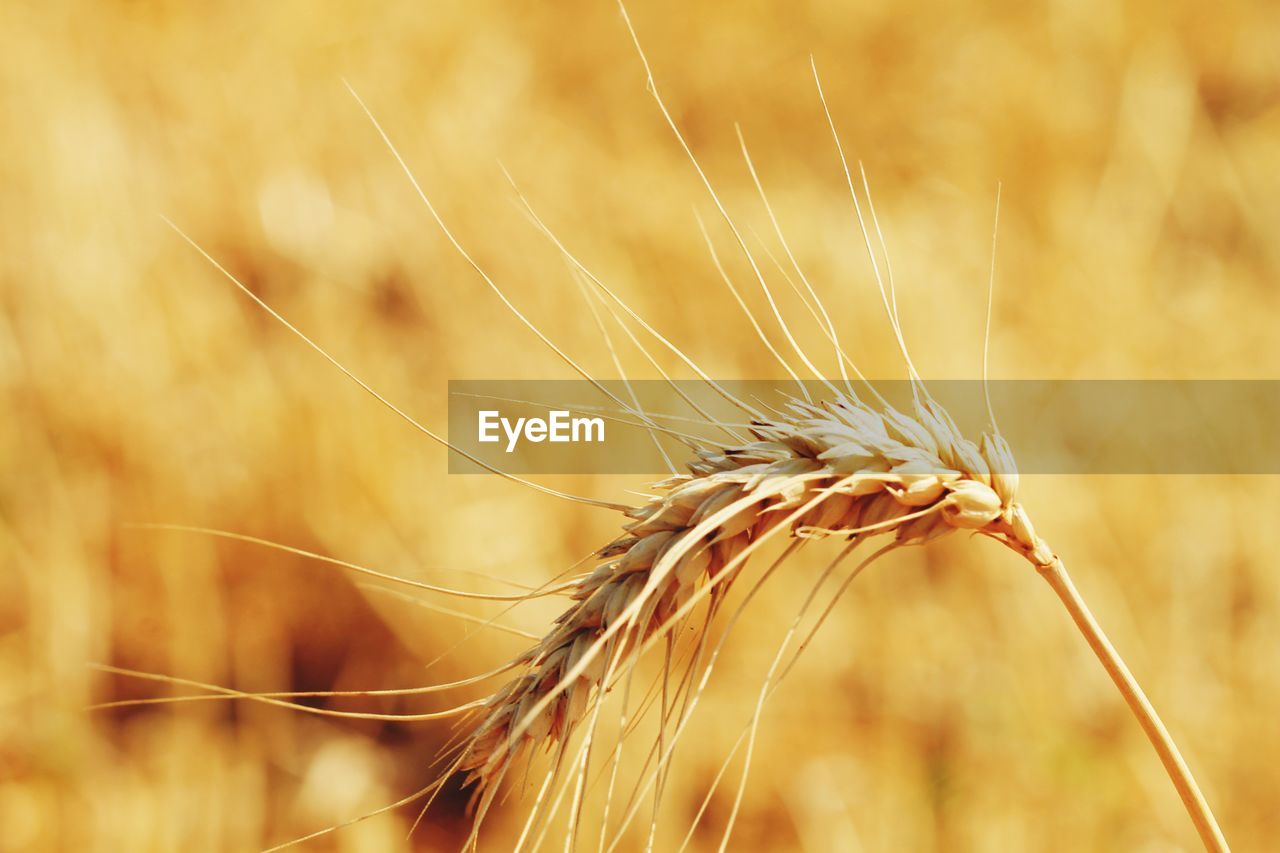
(946, 706)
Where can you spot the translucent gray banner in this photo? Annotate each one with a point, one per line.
(1053, 426)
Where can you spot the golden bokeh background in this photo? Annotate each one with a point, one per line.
(948, 705)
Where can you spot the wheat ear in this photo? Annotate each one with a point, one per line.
(818, 469)
(836, 468)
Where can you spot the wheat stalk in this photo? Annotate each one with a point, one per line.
(838, 467)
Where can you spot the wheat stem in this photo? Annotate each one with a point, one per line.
(1201, 815)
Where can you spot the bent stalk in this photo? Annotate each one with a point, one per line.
(1201, 815)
